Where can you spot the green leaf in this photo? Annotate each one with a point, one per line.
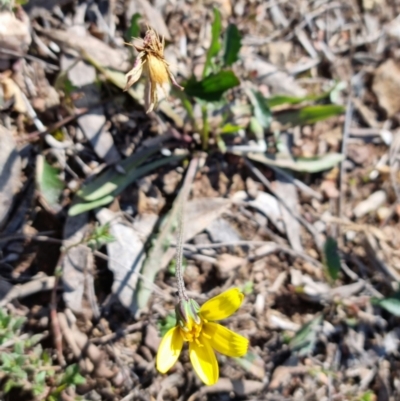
(229, 128)
(304, 340)
(309, 114)
(232, 45)
(248, 288)
(215, 45)
(311, 165)
(82, 207)
(48, 182)
(213, 87)
(19, 347)
(30, 342)
(167, 323)
(261, 109)
(256, 128)
(331, 258)
(40, 377)
(279, 100)
(72, 376)
(368, 396)
(10, 384)
(390, 304)
(16, 323)
(100, 236)
(104, 191)
(69, 88)
(134, 29)
(38, 389)
(108, 181)
(6, 359)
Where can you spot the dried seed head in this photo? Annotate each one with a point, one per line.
(151, 59)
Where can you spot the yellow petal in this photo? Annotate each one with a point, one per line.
(223, 305)
(204, 361)
(169, 350)
(226, 341)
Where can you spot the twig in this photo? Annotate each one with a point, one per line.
(394, 157)
(68, 335)
(55, 324)
(299, 184)
(42, 236)
(118, 334)
(346, 129)
(278, 247)
(30, 288)
(11, 342)
(33, 136)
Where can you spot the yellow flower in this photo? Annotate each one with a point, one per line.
(203, 335)
(151, 60)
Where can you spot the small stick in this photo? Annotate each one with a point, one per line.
(346, 130)
(55, 325)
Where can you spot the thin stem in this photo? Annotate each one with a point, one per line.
(191, 171)
(179, 249)
(206, 128)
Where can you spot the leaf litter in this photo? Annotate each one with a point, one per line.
(295, 199)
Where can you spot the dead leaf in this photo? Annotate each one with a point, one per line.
(220, 230)
(278, 81)
(252, 363)
(126, 254)
(239, 387)
(288, 191)
(77, 262)
(93, 124)
(269, 206)
(227, 263)
(9, 172)
(11, 91)
(152, 15)
(330, 189)
(201, 212)
(14, 34)
(283, 374)
(386, 86)
(45, 283)
(78, 39)
(373, 202)
(277, 320)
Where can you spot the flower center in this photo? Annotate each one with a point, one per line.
(191, 331)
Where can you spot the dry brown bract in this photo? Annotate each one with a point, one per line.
(158, 74)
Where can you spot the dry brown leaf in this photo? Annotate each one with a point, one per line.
(10, 171)
(11, 91)
(82, 42)
(126, 254)
(14, 34)
(386, 86)
(76, 264)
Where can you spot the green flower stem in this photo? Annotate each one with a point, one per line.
(191, 171)
(206, 127)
